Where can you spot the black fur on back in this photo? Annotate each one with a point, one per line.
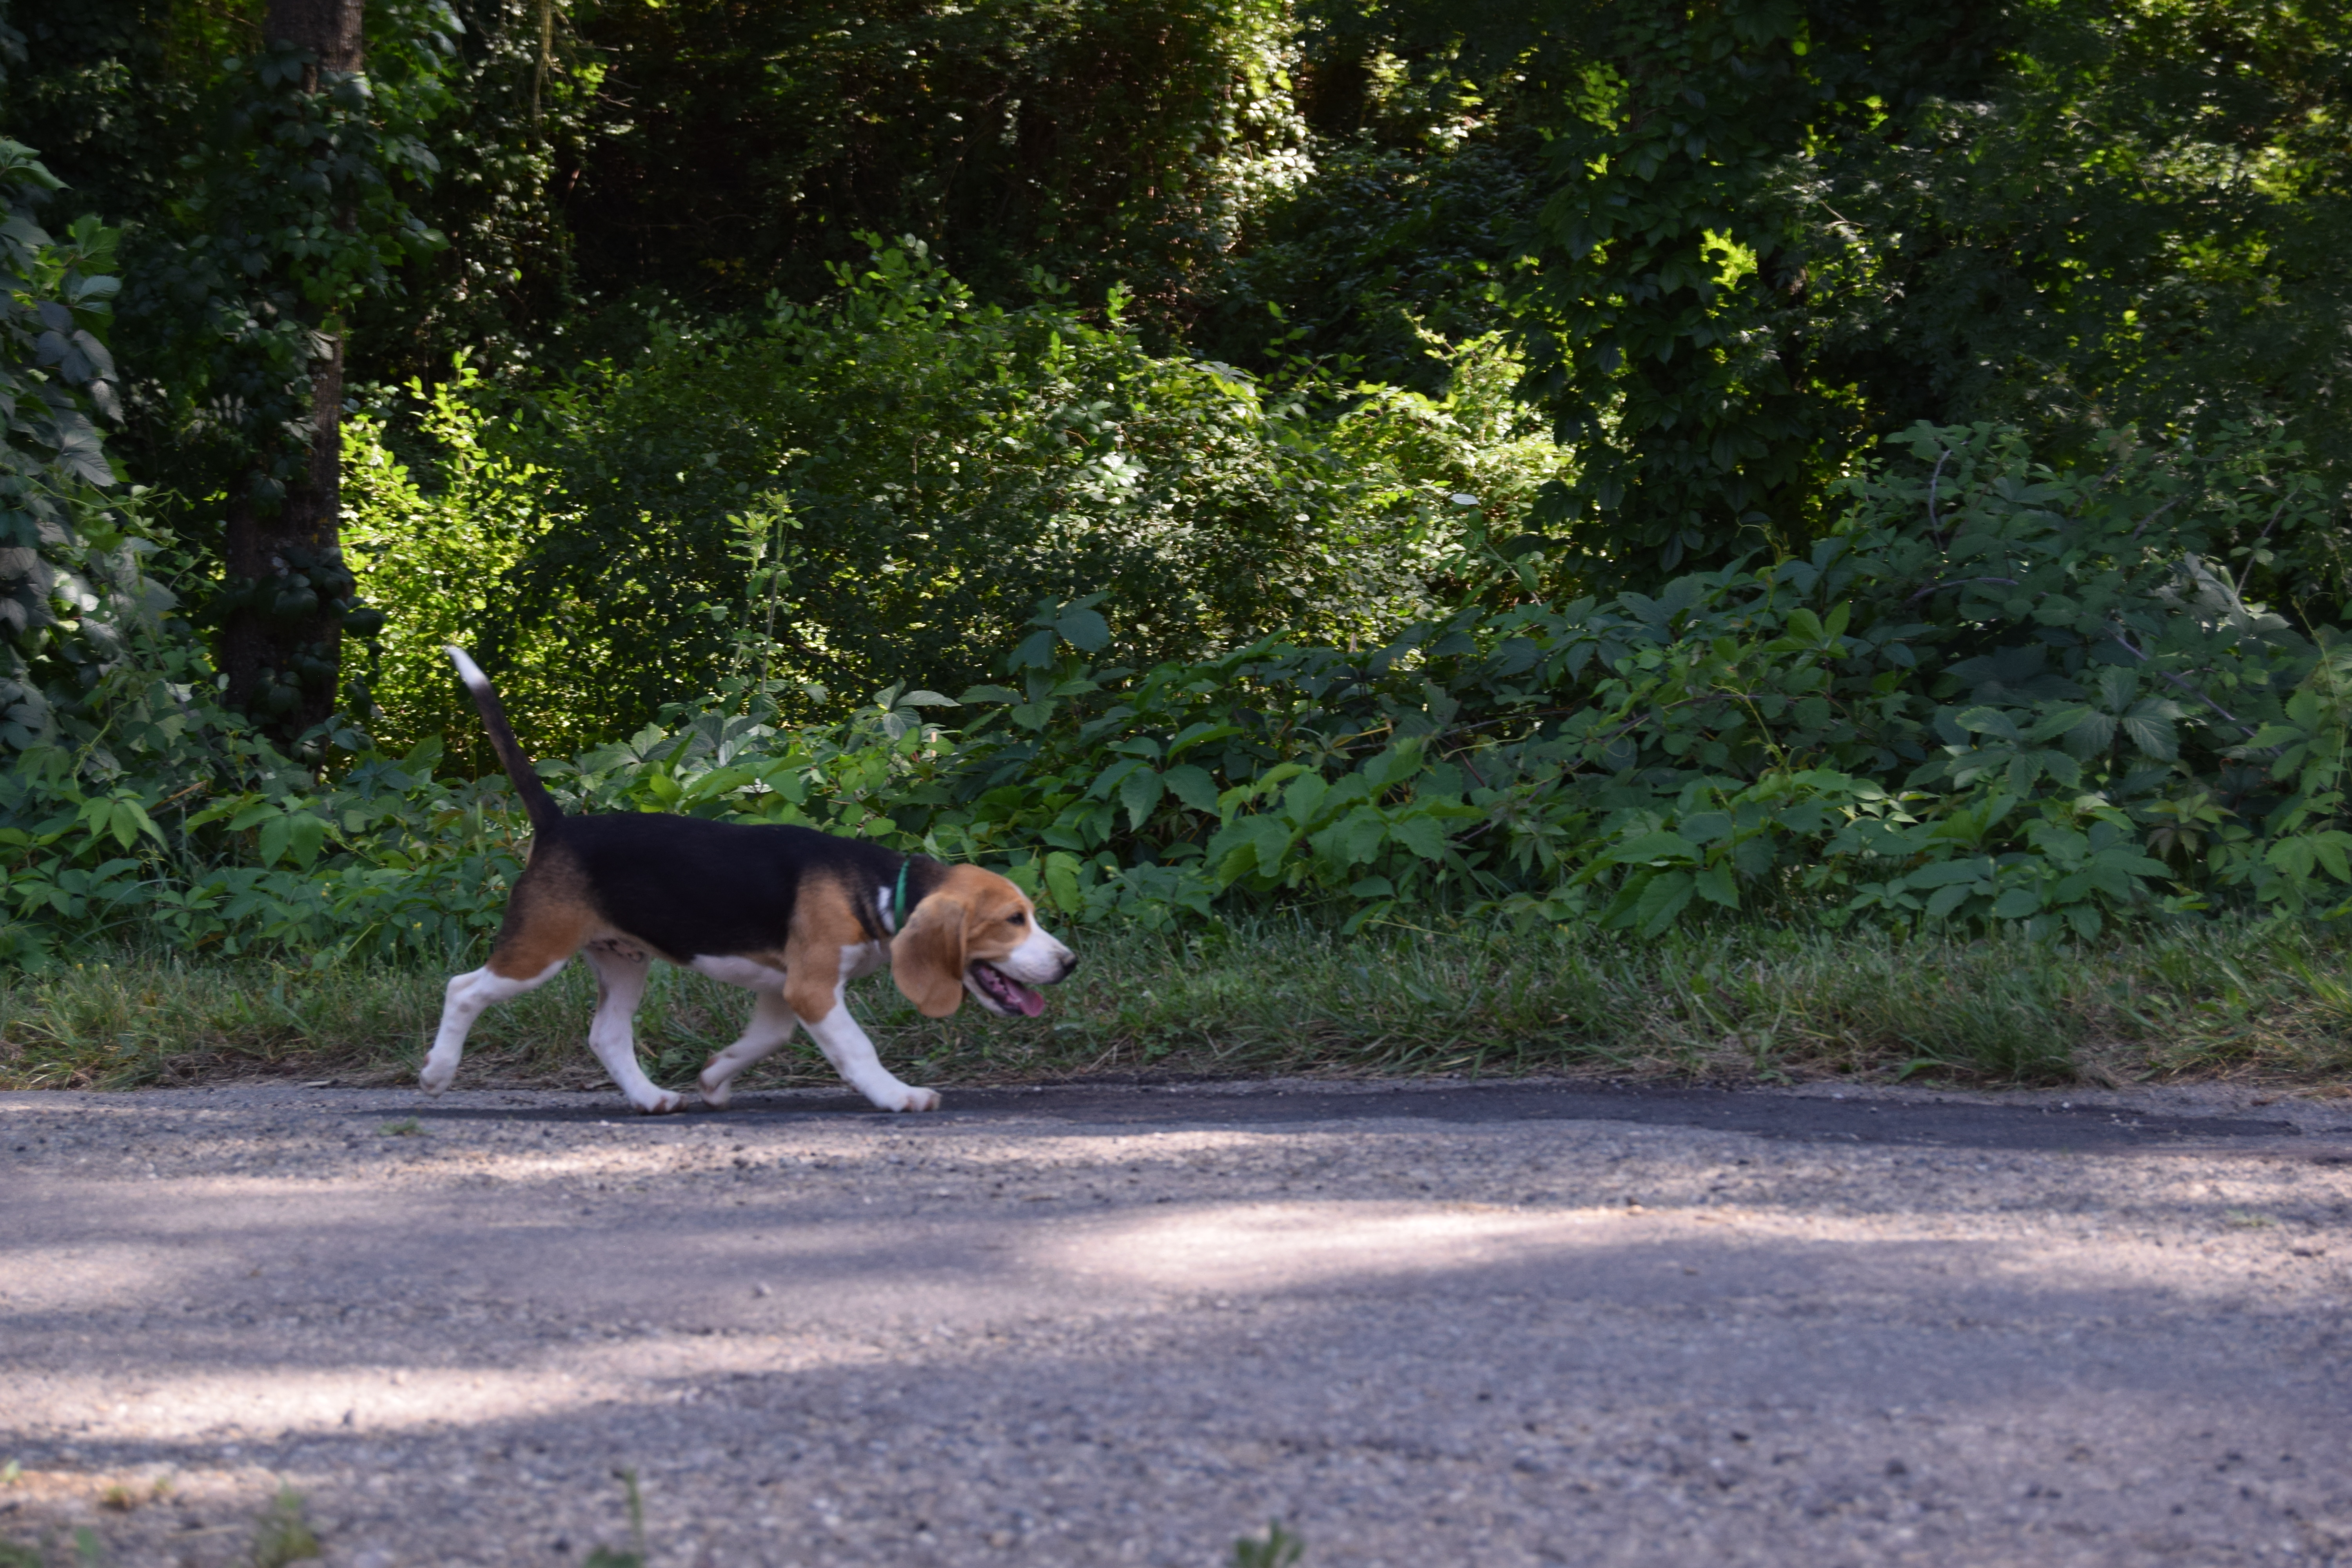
(693, 889)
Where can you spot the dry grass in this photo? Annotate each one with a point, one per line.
(1740, 1001)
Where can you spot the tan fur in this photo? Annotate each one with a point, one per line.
(825, 921)
(926, 956)
(548, 918)
(969, 917)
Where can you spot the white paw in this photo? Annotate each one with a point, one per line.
(437, 1078)
(918, 1099)
(714, 1095)
(661, 1104)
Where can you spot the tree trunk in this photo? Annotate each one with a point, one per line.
(281, 645)
(329, 29)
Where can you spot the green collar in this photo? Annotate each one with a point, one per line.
(898, 898)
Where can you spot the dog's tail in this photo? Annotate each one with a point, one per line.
(536, 801)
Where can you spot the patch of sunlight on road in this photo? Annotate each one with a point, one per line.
(247, 1403)
(1293, 1246)
(1257, 1246)
(87, 1275)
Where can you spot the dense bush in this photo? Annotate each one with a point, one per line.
(1384, 246)
(2000, 694)
(1775, 231)
(1734, 247)
(904, 472)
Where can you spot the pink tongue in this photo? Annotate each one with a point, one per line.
(1007, 989)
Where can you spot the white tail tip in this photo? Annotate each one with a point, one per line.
(467, 671)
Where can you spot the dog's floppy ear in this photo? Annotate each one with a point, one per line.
(927, 957)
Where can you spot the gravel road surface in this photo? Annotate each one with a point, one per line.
(1422, 1326)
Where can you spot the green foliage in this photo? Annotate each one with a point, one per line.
(1277, 1548)
(1735, 244)
(2137, 222)
(600, 157)
(1999, 694)
(430, 549)
(135, 103)
(1998, 708)
(1776, 231)
(283, 1537)
(71, 587)
(907, 471)
(266, 203)
(291, 213)
(517, 106)
(1380, 245)
(1118, 144)
(1276, 641)
(108, 724)
(1648, 328)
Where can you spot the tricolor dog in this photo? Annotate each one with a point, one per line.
(788, 913)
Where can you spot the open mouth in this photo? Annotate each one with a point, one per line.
(1004, 991)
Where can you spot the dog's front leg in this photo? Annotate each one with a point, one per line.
(771, 1024)
(844, 1044)
(620, 986)
(826, 1015)
(462, 1003)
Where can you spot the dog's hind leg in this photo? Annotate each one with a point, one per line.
(771, 1024)
(621, 976)
(544, 926)
(462, 1003)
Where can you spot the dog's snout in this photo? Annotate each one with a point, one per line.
(1069, 965)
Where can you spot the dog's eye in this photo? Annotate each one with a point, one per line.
(1015, 917)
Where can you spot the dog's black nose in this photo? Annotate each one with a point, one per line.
(1069, 963)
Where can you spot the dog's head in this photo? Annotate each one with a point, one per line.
(978, 932)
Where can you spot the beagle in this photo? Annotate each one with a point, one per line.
(788, 913)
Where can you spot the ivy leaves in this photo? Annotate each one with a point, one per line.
(294, 213)
(1651, 318)
(70, 585)
(55, 301)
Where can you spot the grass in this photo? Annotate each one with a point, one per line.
(1277, 1548)
(284, 1536)
(1744, 1000)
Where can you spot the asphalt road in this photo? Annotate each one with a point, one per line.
(1422, 1326)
